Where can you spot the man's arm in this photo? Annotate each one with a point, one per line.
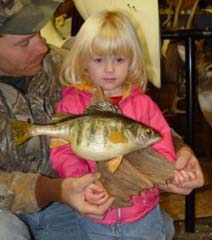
(17, 192)
(70, 191)
(26, 192)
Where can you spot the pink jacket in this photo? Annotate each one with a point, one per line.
(138, 106)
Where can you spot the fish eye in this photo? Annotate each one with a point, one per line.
(149, 131)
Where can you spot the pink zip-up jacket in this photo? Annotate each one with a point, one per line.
(138, 106)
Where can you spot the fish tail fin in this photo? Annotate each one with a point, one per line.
(22, 131)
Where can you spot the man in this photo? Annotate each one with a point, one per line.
(24, 185)
(29, 91)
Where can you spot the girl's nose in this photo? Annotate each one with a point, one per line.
(109, 66)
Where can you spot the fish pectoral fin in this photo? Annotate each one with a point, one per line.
(57, 142)
(112, 165)
(117, 137)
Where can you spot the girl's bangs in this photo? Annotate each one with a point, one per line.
(110, 45)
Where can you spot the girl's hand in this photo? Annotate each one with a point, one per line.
(73, 194)
(96, 194)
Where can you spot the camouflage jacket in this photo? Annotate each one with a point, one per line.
(20, 166)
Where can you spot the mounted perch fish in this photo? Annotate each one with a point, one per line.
(99, 134)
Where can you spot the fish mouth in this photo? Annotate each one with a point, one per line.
(158, 137)
(157, 140)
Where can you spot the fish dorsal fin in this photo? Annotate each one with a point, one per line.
(99, 96)
(103, 107)
(61, 116)
(101, 103)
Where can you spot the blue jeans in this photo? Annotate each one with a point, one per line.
(56, 222)
(156, 225)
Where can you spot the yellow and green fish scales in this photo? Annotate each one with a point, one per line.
(96, 135)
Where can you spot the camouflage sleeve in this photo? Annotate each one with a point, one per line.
(17, 192)
(44, 89)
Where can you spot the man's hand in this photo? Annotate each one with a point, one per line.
(73, 194)
(186, 162)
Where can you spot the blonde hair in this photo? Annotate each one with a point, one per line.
(105, 33)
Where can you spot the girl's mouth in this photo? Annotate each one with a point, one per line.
(110, 79)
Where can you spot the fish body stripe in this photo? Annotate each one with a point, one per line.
(89, 130)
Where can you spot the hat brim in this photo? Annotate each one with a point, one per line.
(32, 18)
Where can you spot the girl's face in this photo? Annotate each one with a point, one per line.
(109, 72)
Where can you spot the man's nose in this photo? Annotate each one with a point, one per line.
(41, 45)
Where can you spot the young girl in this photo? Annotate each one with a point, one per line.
(106, 53)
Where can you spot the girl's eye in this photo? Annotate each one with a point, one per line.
(97, 60)
(120, 59)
